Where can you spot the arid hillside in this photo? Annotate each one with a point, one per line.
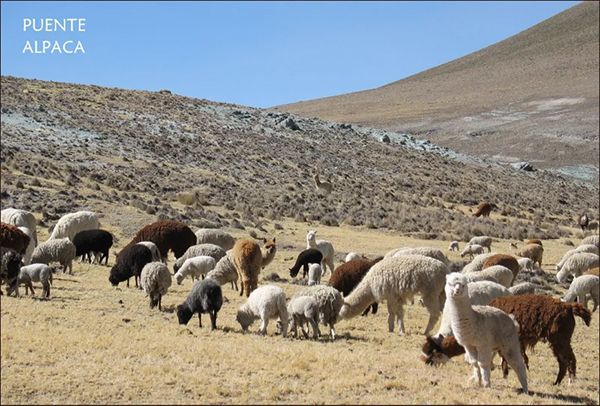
(533, 96)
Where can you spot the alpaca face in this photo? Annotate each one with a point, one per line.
(456, 285)
(311, 236)
(432, 352)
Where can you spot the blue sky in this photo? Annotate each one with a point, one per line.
(259, 53)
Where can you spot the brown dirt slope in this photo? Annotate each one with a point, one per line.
(497, 102)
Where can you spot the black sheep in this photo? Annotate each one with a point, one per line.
(130, 263)
(91, 241)
(206, 297)
(308, 256)
(10, 265)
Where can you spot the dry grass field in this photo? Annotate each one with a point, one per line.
(93, 343)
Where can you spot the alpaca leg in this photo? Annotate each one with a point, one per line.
(332, 330)
(263, 325)
(581, 299)
(200, 319)
(391, 316)
(213, 319)
(284, 326)
(315, 328)
(432, 305)
(471, 358)
(305, 270)
(293, 327)
(400, 313)
(330, 265)
(566, 359)
(484, 363)
(514, 358)
(159, 306)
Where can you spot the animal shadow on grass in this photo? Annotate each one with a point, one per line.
(565, 398)
(169, 309)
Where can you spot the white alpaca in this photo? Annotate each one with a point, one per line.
(325, 247)
(472, 250)
(314, 274)
(581, 287)
(481, 330)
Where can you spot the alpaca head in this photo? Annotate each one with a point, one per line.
(311, 235)
(432, 352)
(456, 286)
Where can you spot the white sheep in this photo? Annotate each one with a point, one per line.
(304, 310)
(582, 286)
(155, 279)
(577, 264)
(590, 248)
(314, 274)
(397, 280)
(352, 256)
(209, 250)
(36, 273)
(325, 247)
(70, 224)
(497, 273)
(591, 239)
(424, 251)
(483, 240)
(329, 301)
(264, 303)
(31, 246)
(453, 246)
(195, 267)
(20, 218)
(225, 271)
(216, 237)
(481, 330)
(60, 250)
(471, 250)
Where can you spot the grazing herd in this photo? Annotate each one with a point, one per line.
(483, 309)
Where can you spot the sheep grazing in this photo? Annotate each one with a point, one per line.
(10, 264)
(306, 257)
(591, 239)
(481, 330)
(471, 250)
(324, 246)
(483, 210)
(351, 256)
(348, 275)
(453, 246)
(533, 241)
(581, 287)
(496, 273)
(70, 224)
(264, 303)
(329, 302)
(248, 258)
(301, 311)
(12, 237)
(195, 267)
(594, 271)
(225, 271)
(540, 318)
(130, 262)
(36, 273)
(167, 235)
(505, 260)
(60, 250)
(93, 241)
(576, 265)
(30, 247)
(424, 251)
(589, 248)
(206, 297)
(216, 237)
(20, 218)
(314, 274)
(397, 280)
(209, 250)
(534, 252)
(155, 280)
(483, 240)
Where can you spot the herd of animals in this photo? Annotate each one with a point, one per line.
(483, 311)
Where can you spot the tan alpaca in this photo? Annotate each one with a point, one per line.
(324, 187)
(248, 259)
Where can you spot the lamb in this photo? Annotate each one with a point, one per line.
(484, 209)
(156, 257)
(216, 237)
(10, 264)
(36, 273)
(351, 256)
(483, 240)
(302, 310)
(425, 251)
(581, 287)
(324, 246)
(12, 237)
(264, 303)
(453, 246)
(505, 260)
(314, 274)
(167, 235)
(348, 275)
(496, 273)
(60, 250)
(209, 250)
(225, 271)
(329, 302)
(130, 262)
(471, 249)
(206, 297)
(576, 264)
(481, 330)
(306, 257)
(20, 218)
(93, 241)
(155, 280)
(540, 318)
(70, 224)
(590, 248)
(195, 267)
(591, 239)
(31, 246)
(534, 252)
(397, 280)
(248, 258)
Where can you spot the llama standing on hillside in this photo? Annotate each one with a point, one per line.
(322, 187)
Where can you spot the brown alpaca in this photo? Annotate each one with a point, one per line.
(540, 318)
(248, 259)
(483, 209)
(533, 241)
(167, 235)
(12, 237)
(348, 275)
(505, 260)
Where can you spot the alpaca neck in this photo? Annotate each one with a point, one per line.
(462, 317)
(267, 256)
(355, 303)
